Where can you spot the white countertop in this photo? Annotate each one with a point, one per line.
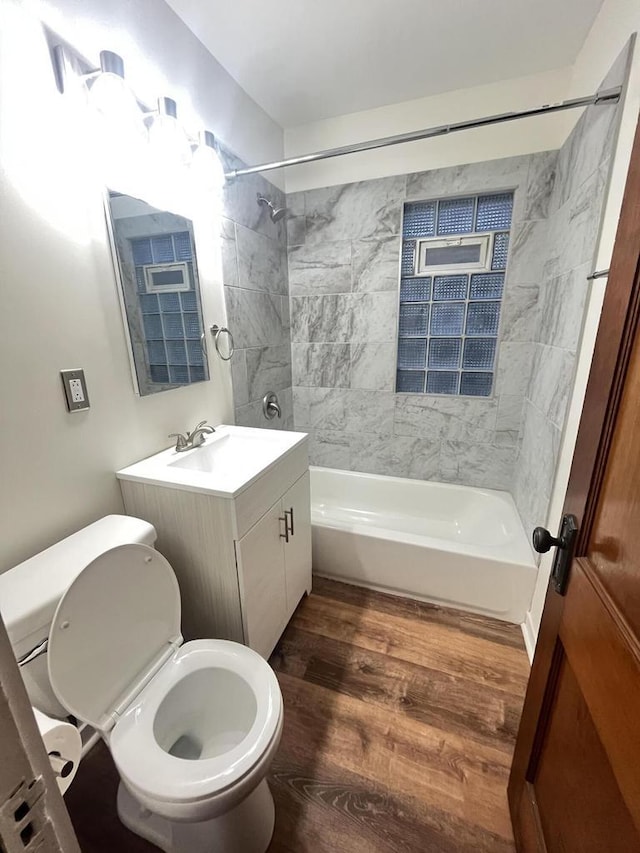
(225, 465)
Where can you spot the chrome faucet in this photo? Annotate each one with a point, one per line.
(197, 436)
(192, 439)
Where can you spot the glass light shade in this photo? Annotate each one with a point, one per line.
(207, 168)
(114, 101)
(169, 140)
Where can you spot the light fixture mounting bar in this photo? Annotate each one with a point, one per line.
(603, 97)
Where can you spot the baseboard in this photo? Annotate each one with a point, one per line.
(530, 635)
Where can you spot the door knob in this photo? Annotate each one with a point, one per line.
(543, 541)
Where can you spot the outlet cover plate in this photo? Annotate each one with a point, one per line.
(75, 390)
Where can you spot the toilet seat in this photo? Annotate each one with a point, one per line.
(153, 773)
(116, 661)
(113, 628)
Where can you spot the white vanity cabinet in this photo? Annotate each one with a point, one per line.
(274, 565)
(242, 557)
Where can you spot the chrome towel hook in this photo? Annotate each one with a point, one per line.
(216, 331)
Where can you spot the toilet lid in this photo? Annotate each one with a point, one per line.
(110, 629)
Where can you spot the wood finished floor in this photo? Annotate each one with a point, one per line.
(400, 721)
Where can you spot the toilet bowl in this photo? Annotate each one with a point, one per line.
(192, 727)
(199, 737)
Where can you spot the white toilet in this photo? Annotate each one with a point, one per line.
(192, 727)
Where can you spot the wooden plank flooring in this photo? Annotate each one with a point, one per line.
(400, 720)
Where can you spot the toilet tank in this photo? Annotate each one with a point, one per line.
(30, 592)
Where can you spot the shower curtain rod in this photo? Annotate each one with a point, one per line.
(606, 96)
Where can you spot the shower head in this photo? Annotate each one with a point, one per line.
(276, 213)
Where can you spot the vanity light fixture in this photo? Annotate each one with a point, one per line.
(207, 166)
(114, 100)
(111, 96)
(166, 133)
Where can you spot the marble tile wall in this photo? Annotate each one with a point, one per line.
(575, 205)
(255, 276)
(317, 321)
(343, 249)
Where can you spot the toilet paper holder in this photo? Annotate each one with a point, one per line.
(61, 766)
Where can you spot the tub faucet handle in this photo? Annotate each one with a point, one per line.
(271, 406)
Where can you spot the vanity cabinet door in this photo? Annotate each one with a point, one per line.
(296, 504)
(261, 578)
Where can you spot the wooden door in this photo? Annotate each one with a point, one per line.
(297, 551)
(575, 779)
(263, 593)
(32, 812)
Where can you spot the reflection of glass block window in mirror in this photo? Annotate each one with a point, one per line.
(157, 260)
(453, 267)
(163, 263)
(164, 272)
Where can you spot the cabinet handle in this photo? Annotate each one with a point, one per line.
(285, 535)
(288, 512)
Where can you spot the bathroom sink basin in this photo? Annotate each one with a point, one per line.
(225, 464)
(226, 453)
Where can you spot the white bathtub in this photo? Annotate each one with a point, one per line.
(451, 545)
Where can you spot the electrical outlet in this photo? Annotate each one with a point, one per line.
(77, 394)
(75, 389)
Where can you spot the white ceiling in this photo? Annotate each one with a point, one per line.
(304, 60)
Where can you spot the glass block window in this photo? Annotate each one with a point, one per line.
(483, 318)
(171, 320)
(410, 381)
(455, 216)
(479, 353)
(450, 287)
(449, 320)
(494, 212)
(408, 257)
(476, 384)
(159, 373)
(442, 382)
(414, 319)
(169, 301)
(415, 289)
(420, 219)
(444, 352)
(486, 286)
(412, 353)
(500, 250)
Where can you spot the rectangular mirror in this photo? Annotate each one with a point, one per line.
(160, 293)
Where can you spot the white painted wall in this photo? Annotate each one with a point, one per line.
(521, 137)
(617, 20)
(59, 304)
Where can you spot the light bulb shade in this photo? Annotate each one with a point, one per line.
(207, 167)
(113, 100)
(169, 139)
